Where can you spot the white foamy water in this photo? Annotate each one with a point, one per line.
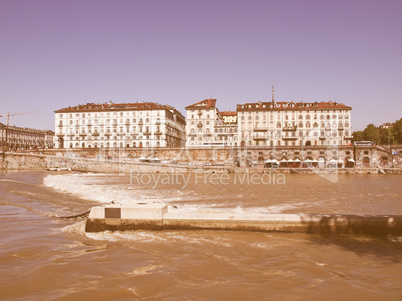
(106, 188)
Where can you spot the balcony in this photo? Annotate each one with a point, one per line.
(290, 128)
(147, 133)
(95, 134)
(158, 133)
(259, 138)
(289, 138)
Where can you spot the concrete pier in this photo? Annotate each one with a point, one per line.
(144, 216)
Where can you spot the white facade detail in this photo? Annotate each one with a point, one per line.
(119, 125)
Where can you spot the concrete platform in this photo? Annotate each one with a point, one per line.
(148, 216)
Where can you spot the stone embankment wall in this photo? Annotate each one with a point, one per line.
(186, 159)
(365, 155)
(22, 161)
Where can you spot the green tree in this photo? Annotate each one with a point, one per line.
(397, 131)
(384, 135)
(357, 136)
(371, 133)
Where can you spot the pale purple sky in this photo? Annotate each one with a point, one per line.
(56, 54)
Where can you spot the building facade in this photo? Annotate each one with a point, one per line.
(111, 124)
(18, 138)
(206, 126)
(294, 124)
(269, 124)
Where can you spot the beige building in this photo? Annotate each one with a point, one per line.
(207, 127)
(294, 124)
(229, 117)
(18, 138)
(111, 124)
(269, 124)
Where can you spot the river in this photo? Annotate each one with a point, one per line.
(46, 257)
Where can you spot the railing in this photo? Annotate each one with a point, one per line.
(290, 128)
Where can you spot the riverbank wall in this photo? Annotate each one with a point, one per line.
(34, 161)
(145, 216)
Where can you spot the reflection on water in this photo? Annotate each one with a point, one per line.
(47, 258)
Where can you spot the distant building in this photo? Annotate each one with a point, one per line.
(229, 117)
(111, 124)
(18, 138)
(386, 125)
(207, 127)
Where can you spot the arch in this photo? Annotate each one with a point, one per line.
(83, 144)
(366, 162)
(158, 144)
(308, 143)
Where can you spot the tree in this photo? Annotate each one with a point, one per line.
(385, 136)
(397, 131)
(371, 133)
(358, 135)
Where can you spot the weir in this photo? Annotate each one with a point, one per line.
(150, 216)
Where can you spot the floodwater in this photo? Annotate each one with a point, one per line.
(46, 257)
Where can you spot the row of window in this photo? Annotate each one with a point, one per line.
(301, 125)
(108, 121)
(322, 117)
(108, 114)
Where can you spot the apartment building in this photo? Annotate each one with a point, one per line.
(206, 126)
(18, 138)
(294, 124)
(145, 124)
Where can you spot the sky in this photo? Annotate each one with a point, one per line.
(56, 54)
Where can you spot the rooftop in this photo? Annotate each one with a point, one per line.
(111, 106)
(298, 106)
(206, 103)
